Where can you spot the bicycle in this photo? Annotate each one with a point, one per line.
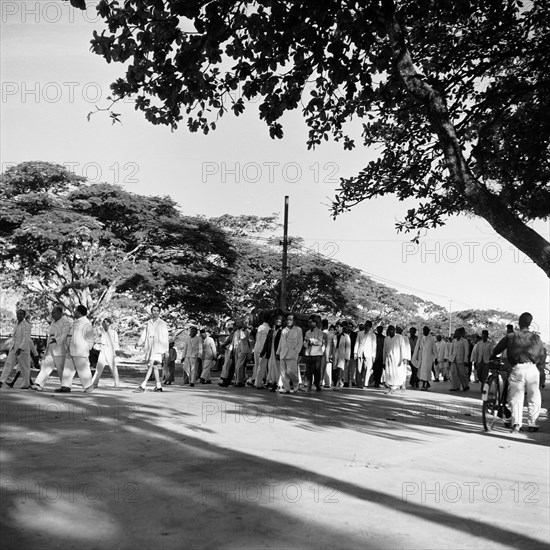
(495, 392)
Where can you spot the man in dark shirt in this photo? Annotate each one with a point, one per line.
(525, 352)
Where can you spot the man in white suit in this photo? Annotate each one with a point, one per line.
(155, 341)
(108, 344)
(442, 358)
(79, 342)
(55, 349)
(190, 353)
(288, 351)
(480, 356)
(365, 352)
(458, 357)
(242, 348)
(20, 351)
(209, 356)
(260, 364)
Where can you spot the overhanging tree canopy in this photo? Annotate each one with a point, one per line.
(455, 94)
(66, 242)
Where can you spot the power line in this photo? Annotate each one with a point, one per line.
(302, 247)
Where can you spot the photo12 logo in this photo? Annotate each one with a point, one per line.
(52, 492)
(469, 491)
(50, 12)
(56, 92)
(269, 172)
(268, 492)
(453, 252)
(94, 172)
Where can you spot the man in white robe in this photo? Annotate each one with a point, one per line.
(396, 357)
(425, 355)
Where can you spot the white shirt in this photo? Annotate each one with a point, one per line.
(21, 337)
(81, 338)
(482, 352)
(365, 345)
(209, 350)
(261, 335)
(317, 338)
(291, 343)
(155, 337)
(59, 330)
(192, 347)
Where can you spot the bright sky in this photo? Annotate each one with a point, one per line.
(51, 81)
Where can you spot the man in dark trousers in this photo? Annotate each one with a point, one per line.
(378, 365)
(413, 339)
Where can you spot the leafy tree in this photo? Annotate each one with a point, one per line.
(66, 242)
(454, 95)
(314, 283)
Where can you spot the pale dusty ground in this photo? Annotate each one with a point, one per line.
(207, 467)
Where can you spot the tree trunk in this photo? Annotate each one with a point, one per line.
(483, 202)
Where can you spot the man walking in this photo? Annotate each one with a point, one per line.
(425, 356)
(341, 352)
(229, 357)
(261, 335)
(269, 353)
(190, 353)
(413, 339)
(209, 356)
(396, 356)
(365, 353)
(525, 352)
(315, 342)
(54, 355)
(288, 352)
(155, 341)
(458, 357)
(242, 347)
(20, 351)
(108, 347)
(169, 364)
(442, 358)
(481, 355)
(80, 340)
(378, 365)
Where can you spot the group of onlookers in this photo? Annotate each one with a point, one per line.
(335, 356)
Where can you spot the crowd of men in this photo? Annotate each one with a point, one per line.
(335, 356)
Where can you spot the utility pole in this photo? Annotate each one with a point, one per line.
(284, 242)
(450, 314)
